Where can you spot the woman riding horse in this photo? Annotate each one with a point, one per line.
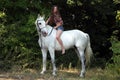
(56, 18)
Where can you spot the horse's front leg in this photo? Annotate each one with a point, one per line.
(44, 55)
(52, 54)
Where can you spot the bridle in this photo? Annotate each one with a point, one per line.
(38, 25)
(43, 28)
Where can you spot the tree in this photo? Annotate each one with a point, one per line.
(19, 37)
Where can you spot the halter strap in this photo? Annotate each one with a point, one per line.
(44, 27)
(38, 25)
(40, 31)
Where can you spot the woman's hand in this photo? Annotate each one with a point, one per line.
(55, 27)
(47, 21)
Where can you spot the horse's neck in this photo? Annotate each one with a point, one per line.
(50, 28)
(39, 34)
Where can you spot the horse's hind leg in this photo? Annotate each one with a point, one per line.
(44, 55)
(82, 58)
(76, 50)
(52, 54)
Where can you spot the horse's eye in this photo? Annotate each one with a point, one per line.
(39, 23)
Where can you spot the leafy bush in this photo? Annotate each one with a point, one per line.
(115, 60)
(19, 38)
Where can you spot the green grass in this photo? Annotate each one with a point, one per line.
(71, 74)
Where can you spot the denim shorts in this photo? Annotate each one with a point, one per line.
(60, 28)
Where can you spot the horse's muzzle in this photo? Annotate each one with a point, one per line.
(44, 34)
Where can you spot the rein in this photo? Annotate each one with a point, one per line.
(50, 32)
(38, 25)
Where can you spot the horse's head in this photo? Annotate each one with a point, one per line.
(41, 26)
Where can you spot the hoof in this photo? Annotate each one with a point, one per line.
(82, 76)
(42, 72)
(54, 74)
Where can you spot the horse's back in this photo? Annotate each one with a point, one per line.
(80, 38)
(75, 33)
(71, 38)
(74, 30)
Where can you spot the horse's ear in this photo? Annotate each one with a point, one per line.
(39, 15)
(43, 16)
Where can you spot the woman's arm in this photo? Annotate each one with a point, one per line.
(59, 23)
(48, 20)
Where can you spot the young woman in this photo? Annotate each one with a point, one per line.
(57, 20)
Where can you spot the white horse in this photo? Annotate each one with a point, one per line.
(47, 41)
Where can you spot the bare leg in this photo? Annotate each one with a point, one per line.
(58, 34)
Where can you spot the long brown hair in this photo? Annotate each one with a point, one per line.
(53, 14)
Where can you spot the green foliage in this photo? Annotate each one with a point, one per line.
(19, 38)
(116, 1)
(115, 60)
(118, 18)
(115, 65)
(70, 2)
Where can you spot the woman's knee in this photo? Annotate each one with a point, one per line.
(57, 37)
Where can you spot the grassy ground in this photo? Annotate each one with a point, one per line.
(71, 74)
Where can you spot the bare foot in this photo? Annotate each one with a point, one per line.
(63, 51)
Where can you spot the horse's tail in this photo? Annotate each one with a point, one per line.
(88, 51)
